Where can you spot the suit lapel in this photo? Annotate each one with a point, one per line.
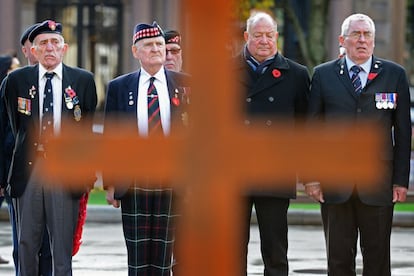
(376, 68)
(132, 90)
(343, 74)
(172, 86)
(66, 82)
(33, 84)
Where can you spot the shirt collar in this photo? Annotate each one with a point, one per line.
(160, 75)
(366, 66)
(58, 71)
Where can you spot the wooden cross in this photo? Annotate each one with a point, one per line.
(216, 158)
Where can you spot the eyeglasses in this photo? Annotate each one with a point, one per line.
(358, 35)
(173, 51)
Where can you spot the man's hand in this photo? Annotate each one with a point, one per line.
(399, 193)
(110, 197)
(314, 191)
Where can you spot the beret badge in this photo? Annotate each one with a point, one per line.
(52, 25)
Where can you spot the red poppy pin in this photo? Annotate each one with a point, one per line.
(175, 100)
(52, 25)
(276, 73)
(372, 76)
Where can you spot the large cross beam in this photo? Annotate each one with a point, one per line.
(217, 156)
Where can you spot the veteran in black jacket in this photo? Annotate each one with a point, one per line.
(273, 89)
(41, 101)
(361, 87)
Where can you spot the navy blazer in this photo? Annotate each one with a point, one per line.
(121, 109)
(280, 94)
(6, 140)
(25, 125)
(333, 99)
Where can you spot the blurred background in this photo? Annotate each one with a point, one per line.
(99, 31)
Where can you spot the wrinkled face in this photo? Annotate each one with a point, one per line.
(150, 52)
(359, 42)
(173, 57)
(49, 49)
(261, 40)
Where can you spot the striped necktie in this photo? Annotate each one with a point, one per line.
(356, 80)
(154, 118)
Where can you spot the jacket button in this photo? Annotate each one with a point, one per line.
(30, 163)
(268, 122)
(249, 100)
(271, 99)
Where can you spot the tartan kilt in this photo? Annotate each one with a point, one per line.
(149, 222)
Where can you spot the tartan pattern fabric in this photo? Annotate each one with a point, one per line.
(148, 219)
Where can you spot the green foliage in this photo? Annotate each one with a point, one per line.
(246, 6)
(311, 44)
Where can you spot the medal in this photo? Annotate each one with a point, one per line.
(386, 100)
(77, 113)
(32, 92)
(131, 99)
(68, 101)
(24, 106)
(378, 105)
(71, 99)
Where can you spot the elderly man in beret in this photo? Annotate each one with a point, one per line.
(6, 137)
(152, 101)
(42, 101)
(173, 55)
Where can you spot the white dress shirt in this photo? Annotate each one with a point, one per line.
(57, 95)
(160, 83)
(365, 68)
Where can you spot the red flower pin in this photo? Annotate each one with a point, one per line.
(71, 93)
(276, 73)
(175, 101)
(52, 25)
(372, 76)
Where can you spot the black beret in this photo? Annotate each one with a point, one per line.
(172, 36)
(143, 30)
(48, 26)
(25, 34)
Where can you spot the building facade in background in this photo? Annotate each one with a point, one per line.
(99, 31)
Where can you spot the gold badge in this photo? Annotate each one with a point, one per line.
(77, 113)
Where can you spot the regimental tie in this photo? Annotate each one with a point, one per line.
(356, 80)
(154, 118)
(47, 119)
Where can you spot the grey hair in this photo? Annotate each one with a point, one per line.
(259, 16)
(356, 17)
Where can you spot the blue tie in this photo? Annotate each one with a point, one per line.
(356, 80)
(47, 119)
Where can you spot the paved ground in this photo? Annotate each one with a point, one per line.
(103, 251)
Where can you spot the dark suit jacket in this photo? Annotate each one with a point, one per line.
(121, 107)
(25, 127)
(333, 99)
(280, 94)
(6, 140)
